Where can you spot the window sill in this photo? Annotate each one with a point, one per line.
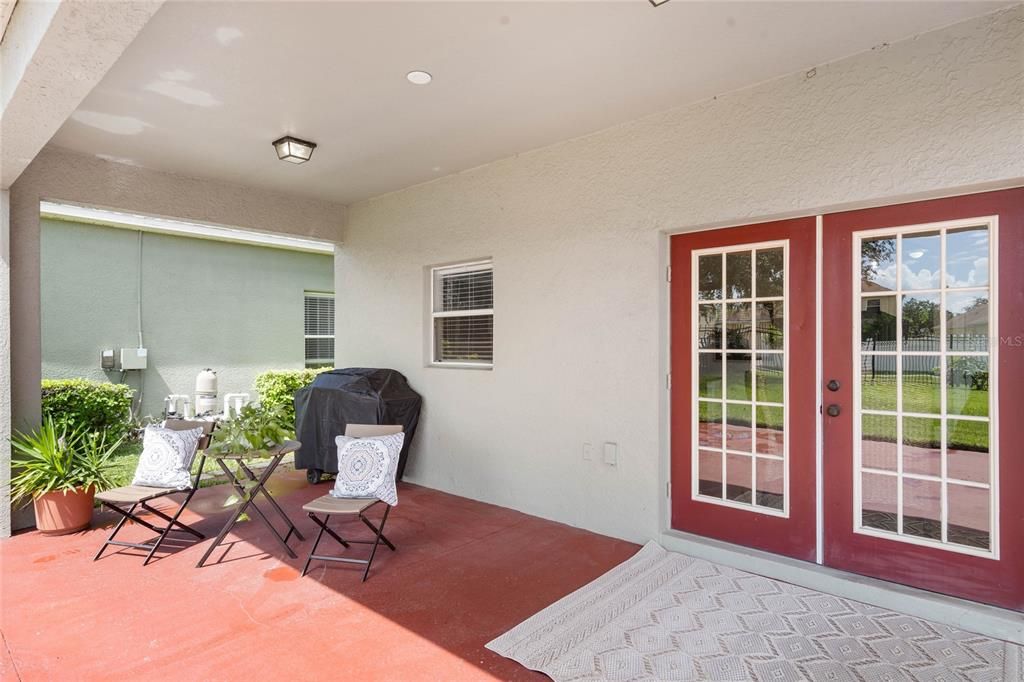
(460, 365)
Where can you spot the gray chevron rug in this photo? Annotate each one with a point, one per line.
(667, 616)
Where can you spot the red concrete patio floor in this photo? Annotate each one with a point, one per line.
(464, 573)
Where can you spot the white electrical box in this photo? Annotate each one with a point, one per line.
(134, 358)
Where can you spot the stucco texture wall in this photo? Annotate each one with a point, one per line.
(577, 234)
(233, 307)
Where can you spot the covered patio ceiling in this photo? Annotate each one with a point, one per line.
(206, 87)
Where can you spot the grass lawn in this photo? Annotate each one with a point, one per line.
(921, 394)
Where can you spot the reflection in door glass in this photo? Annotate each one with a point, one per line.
(709, 277)
(967, 257)
(740, 392)
(919, 259)
(878, 323)
(878, 264)
(969, 522)
(737, 274)
(921, 322)
(923, 429)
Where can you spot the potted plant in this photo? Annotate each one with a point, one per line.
(60, 469)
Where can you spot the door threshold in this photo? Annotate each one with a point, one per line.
(983, 619)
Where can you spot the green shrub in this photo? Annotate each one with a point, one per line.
(277, 387)
(90, 405)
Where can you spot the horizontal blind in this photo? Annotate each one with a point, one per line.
(319, 329)
(319, 315)
(472, 290)
(465, 339)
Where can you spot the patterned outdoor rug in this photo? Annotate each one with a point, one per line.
(667, 616)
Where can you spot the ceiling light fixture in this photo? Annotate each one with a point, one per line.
(418, 77)
(658, 3)
(294, 150)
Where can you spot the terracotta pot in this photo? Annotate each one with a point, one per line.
(60, 513)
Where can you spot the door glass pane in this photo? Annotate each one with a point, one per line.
(771, 327)
(926, 385)
(878, 446)
(919, 257)
(709, 277)
(922, 446)
(771, 430)
(878, 264)
(739, 379)
(770, 273)
(739, 433)
(969, 522)
(709, 375)
(737, 274)
(921, 322)
(879, 501)
(737, 332)
(922, 387)
(878, 323)
(967, 257)
(709, 326)
(967, 450)
(739, 478)
(770, 378)
(967, 321)
(709, 424)
(967, 385)
(771, 483)
(709, 473)
(878, 382)
(922, 508)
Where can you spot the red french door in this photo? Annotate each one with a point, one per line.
(923, 335)
(743, 390)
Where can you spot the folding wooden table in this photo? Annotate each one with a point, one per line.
(248, 484)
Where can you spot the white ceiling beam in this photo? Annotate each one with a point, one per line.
(52, 54)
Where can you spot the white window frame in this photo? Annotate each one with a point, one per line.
(436, 273)
(317, 294)
(992, 223)
(695, 302)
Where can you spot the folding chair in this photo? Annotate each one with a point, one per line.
(126, 500)
(335, 506)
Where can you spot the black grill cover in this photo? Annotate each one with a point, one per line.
(351, 396)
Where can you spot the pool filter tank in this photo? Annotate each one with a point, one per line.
(206, 392)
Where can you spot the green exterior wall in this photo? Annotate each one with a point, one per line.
(236, 308)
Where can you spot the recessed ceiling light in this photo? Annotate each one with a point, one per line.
(294, 150)
(418, 77)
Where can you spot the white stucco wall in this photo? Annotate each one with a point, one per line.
(577, 233)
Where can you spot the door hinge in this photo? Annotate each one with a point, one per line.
(668, 381)
(668, 273)
(668, 490)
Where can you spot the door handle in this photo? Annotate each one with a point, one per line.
(833, 410)
(832, 385)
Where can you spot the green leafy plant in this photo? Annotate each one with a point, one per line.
(277, 387)
(56, 457)
(88, 405)
(255, 430)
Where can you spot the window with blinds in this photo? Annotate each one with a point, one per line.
(319, 329)
(462, 311)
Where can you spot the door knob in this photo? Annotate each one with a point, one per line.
(832, 385)
(833, 410)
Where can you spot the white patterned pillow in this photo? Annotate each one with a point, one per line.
(367, 467)
(167, 457)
